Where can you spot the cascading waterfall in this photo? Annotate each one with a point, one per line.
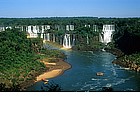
(29, 29)
(43, 36)
(37, 28)
(101, 37)
(107, 34)
(73, 41)
(42, 29)
(48, 37)
(66, 41)
(34, 29)
(87, 39)
(53, 37)
(23, 29)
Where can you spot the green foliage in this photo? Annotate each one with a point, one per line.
(127, 35)
(20, 58)
(52, 54)
(13, 88)
(36, 44)
(135, 58)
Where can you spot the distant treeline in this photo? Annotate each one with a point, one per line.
(55, 21)
(126, 36)
(66, 21)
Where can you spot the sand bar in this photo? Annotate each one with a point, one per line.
(55, 69)
(49, 74)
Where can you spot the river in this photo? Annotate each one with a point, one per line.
(82, 76)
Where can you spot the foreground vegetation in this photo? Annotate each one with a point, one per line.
(20, 59)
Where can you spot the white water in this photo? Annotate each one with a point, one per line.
(48, 37)
(107, 32)
(73, 41)
(34, 29)
(87, 39)
(66, 41)
(101, 38)
(53, 37)
(29, 29)
(43, 36)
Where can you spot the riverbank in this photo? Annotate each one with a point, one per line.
(131, 62)
(54, 69)
(52, 65)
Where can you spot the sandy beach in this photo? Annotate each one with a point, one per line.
(55, 69)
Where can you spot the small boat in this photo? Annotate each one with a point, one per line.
(99, 73)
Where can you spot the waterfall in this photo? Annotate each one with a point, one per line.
(87, 39)
(107, 33)
(73, 41)
(37, 28)
(107, 37)
(42, 29)
(48, 37)
(53, 37)
(34, 29)
(29, 29)
(101, 38)
(22, 28)
(66, 41)
(95, 28)
(42, 36)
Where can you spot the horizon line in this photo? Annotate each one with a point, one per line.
(84, 16)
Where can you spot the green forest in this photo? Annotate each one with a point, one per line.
(20, 59)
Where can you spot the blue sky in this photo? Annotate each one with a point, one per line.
(69, 8)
